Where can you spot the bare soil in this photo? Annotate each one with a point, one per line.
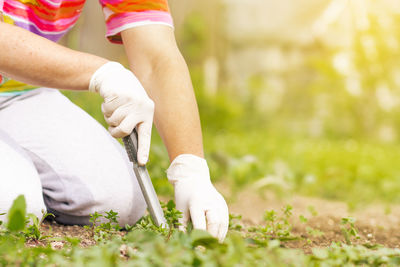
(376, 224)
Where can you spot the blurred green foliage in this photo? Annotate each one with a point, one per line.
(333, 130)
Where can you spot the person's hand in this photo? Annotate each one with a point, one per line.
(196, 197)
(126, 105)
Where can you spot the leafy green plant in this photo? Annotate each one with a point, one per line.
(102, 231)
(348, 229)
(314, 232)
(235, 222)
(172, 216)
(21, 223)
(303, 219)
(33, 230)
(17, 214)
(112, 223)
(277, 226)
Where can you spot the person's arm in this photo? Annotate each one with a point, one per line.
(156, 60)
(32, 59)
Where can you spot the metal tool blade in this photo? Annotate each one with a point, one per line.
(142, 175)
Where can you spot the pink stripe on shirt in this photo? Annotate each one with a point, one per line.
(116, 21)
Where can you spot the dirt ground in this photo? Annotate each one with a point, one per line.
(375, 224)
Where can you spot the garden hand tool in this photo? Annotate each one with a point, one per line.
(142, 175)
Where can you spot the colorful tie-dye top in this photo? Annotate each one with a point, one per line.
(53, 18)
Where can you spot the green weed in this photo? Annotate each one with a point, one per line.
(348, 229)
(33, 230)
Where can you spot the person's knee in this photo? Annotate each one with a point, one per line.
(19, 177)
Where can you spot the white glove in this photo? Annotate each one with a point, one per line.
(126, 105)
(196, 197)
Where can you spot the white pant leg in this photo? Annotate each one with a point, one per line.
(18, 176)
(82, 168)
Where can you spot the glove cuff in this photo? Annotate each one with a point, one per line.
(188, 166)
(101, 73)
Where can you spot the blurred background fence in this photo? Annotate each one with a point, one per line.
(294, 95)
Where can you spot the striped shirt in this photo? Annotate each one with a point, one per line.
(52, 19)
